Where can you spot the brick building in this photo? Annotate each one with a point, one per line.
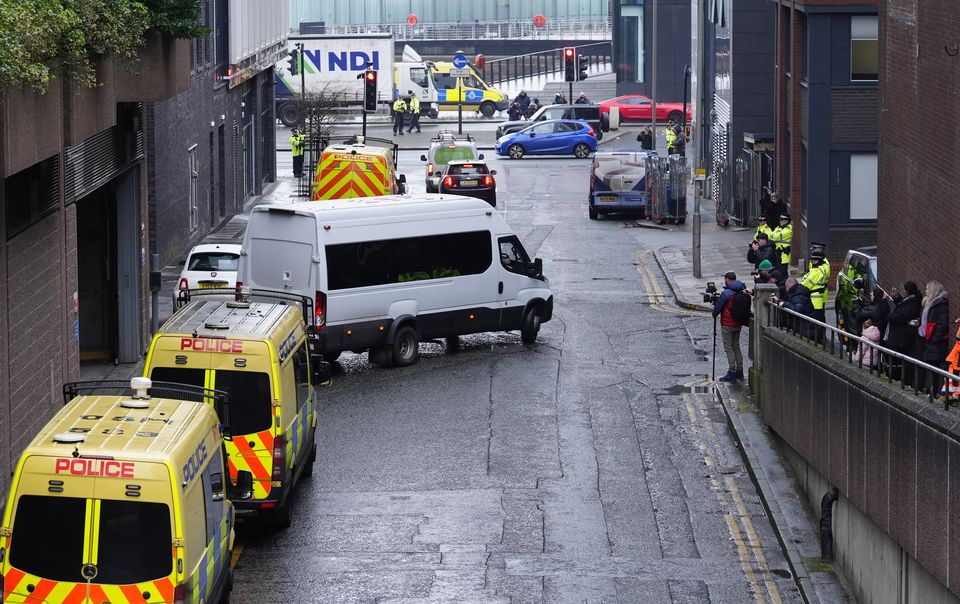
(72, 222)
(826, 126)
(213, 146)
(919, 143)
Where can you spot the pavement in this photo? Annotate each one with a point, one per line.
(716, 259)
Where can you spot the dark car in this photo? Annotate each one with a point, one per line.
(587, 112)
(471, 179)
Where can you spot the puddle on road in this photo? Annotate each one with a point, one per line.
(681, 389)
(783, 574)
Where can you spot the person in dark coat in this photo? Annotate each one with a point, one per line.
(522, 101)
(514, 113)
(559, 99)
(797, 299)
(645, 138)
(876, 311)
(902, 323)
(934, 332)
(761, 250)
(775, 208)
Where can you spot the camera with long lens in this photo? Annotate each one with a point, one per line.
(711, 294)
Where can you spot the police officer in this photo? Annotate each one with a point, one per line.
(782, 238)
(817, 279)
(297, 139)
(399, 109)
(762, 227)
(414, 112)
(671, 135)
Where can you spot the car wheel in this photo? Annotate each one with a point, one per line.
(515, 151)
(581, 151)
(487, 109)
(592, 212)
(406, 347)
(530, 326)
(676, 117)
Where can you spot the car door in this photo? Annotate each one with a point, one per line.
(565, 136)
(540, 138)
(511, 279)
(640, 108)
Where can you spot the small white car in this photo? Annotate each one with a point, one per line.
(209, 265)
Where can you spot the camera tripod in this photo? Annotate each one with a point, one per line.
(713, 371)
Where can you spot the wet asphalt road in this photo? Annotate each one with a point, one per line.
(594, 466)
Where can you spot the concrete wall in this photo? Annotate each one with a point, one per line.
(894, 456)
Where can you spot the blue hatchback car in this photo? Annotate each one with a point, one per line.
(550, 137)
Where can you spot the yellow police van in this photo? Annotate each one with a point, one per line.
(121, 497)
(357, 167)
(476, 94)
(260, 355)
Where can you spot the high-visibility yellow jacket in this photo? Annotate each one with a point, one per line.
(399, 106)
(816, 279)
(783, 238)
(296, 144)
(414, 105)
(671, 136)
(763, 227)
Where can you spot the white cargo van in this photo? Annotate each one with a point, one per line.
(388, 272)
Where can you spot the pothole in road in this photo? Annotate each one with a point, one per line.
(783, 574)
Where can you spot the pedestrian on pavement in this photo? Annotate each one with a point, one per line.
(934, 332)
(729, 326)
(760, 250)
(775, 208)
(399, 111)
(297, 139)
(414, 109)
(513, 112)
(582, 100)
(522, 101)
(901, 325)
(797, 299)
(559, 99)
(782, 240)
(645, 138)
(865, 354)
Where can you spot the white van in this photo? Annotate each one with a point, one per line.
(388, 272)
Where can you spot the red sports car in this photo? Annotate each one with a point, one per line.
(637, 108)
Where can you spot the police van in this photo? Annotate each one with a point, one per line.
(357, 167)
(121, 497)
(260, 355)
(389, 272)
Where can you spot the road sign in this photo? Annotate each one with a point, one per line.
(411, 19)
(473, 95)
(460, 73)
(459, 61)
(539, 21)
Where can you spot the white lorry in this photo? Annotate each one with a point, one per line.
(335, 63)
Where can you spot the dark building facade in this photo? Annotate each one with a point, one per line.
(743, 44)
(73, 218)
(213, 147)
(826, 127)
(633, 46)
(919, 144)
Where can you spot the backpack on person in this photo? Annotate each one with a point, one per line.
(742, 308)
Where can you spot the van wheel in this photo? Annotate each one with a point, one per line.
(289, 115)
(280, 519)
(530, 326)
(406, 347)
(487, 109)
(515, 151)
(581, 151)
(592, 211)
(227, 587)
(308, 471)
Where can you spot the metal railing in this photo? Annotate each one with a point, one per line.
(497, 71)
(574, 28)
(888, 365)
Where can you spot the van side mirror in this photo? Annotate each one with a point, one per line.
(423, 158)
(438, 173)
(480, 156)
(403, 178)
(244, 487)
(216, 486)
(321, 371)
(536, 268)
(493, 172)
(182, 263)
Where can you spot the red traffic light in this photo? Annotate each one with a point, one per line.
(568, 52)
(371, 75)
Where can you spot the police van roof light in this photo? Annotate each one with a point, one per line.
(69, 438)
(140, 386)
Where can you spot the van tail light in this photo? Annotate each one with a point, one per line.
(320, 310)
(488, 181)
(183, 284)
(237, 296)
(429, 169)
(448, 182)
(180, 594)
(279, 458)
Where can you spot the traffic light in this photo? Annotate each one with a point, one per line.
(569, 64)
(369, 90)
(583, 62)
(293, 60)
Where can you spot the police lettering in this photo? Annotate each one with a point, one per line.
(211, 345)
(94, 467)
(194, 464)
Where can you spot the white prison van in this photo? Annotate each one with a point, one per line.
(389, 272)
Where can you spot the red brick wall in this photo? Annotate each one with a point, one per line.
(919, 159)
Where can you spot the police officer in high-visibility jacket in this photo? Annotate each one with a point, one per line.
(763, 227)
(817, 279)
(297, 139)
(414, 112)
(671, 135)
(783, 238)
(399, 110)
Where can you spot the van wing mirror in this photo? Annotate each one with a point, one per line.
(423, 158)
(403, 178)
(480, 156)
(536, 268)
(438, 173)
(493, 172)
(216, 486)
(321, 371)
(243, 489)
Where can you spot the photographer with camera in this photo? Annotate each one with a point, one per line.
(760, 250)
(729, 306)
(797, 299)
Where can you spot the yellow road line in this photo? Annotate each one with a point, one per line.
(744, 558)
(652, 287)
(237, 551)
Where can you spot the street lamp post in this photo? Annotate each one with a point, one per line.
(653, 77)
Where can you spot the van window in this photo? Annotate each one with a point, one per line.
(37, 518)
(213, 492)
(445, 155)
(418, 75)
(135, 542)
(368, 263)
(512, 255)
(301, 374)
(251, 408)
(443, 81)
(179, 375)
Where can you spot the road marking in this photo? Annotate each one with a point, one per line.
(237, 551)
(642, 263)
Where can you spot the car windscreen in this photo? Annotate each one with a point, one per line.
(213, 261)
(468, 169)
(48, 537)
(135, 543)
(251, 408)
(444, 155)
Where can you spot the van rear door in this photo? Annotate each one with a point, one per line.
(279, 249)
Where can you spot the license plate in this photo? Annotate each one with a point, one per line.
(468, 183)
(212, 284)
(607, 197)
